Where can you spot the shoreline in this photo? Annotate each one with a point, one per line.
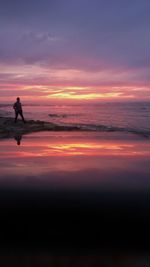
(9, 129)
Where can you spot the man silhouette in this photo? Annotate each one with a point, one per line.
(18, 110)
(18, 139)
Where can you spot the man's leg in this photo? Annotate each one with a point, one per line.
(16, 116)
(21, 114)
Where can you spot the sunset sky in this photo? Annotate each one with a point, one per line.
(74, 50)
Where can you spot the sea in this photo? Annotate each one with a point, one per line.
(128, 115)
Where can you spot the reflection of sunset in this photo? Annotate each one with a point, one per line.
(87, 148)
(71, 147)
(73, 159)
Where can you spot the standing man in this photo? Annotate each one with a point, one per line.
(18, 110)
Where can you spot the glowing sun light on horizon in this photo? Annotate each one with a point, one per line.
(73, 95)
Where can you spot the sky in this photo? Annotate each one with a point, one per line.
(74, 50)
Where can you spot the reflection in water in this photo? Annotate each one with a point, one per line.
(18, 139)
(73, 160)
(46, 147)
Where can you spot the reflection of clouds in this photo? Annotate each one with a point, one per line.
(89, 148)
(75, 162)
(47, 148)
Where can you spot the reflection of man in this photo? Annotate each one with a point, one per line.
(18, 110)
(18, 139)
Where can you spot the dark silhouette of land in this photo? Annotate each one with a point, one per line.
(10, 129)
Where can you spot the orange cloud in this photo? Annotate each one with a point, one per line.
(47, 84)
(84, 96)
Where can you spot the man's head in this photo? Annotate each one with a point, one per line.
(18, 99)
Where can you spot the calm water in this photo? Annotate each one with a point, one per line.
(128, 115)
(76, 160)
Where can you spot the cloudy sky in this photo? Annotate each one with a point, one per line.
(74, 50)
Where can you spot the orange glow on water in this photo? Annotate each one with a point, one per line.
(87, 148)
(72, 160)
(46, 148)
